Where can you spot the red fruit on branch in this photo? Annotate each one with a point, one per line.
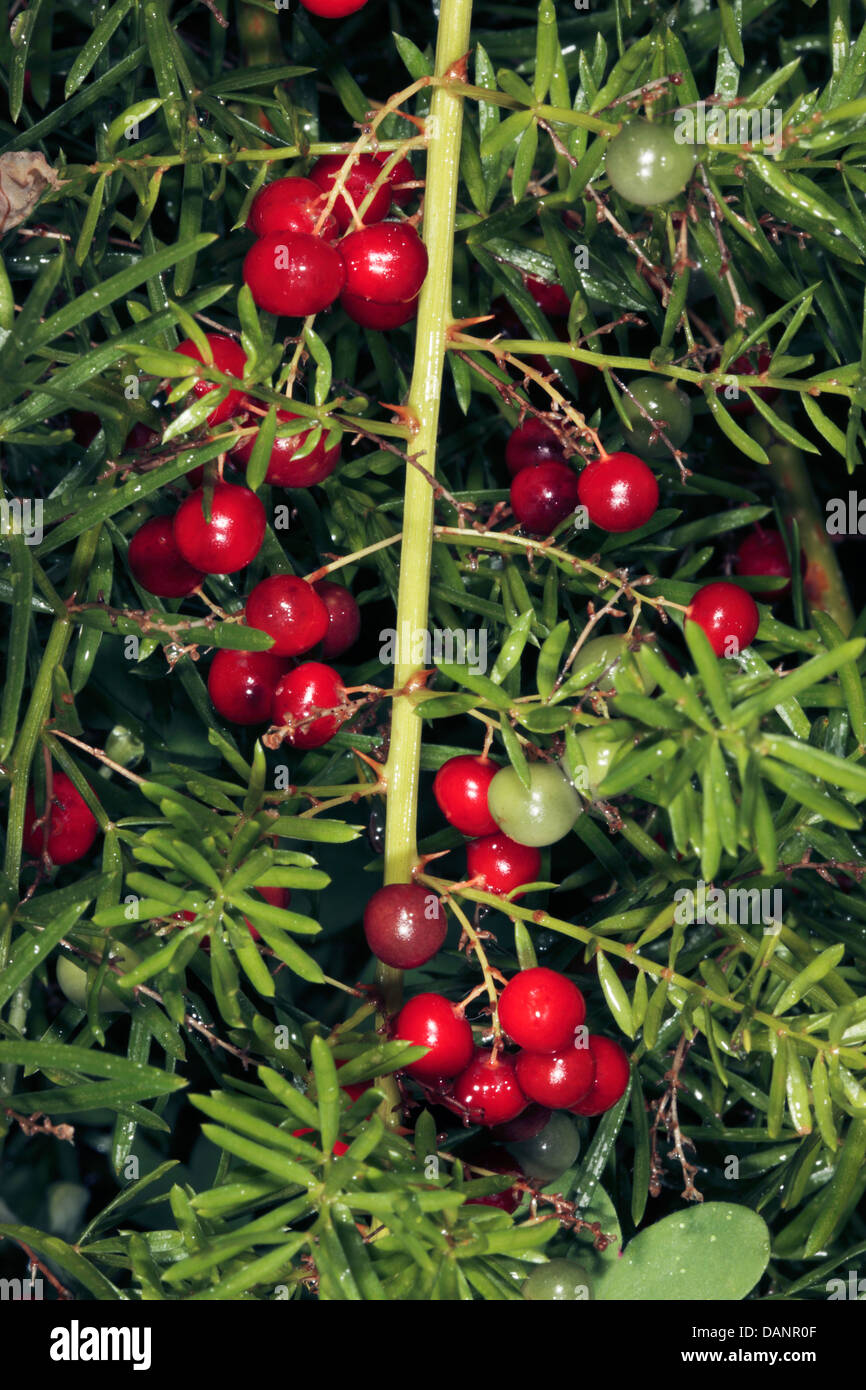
(764, 552)
(293, 273)
(364, 170)
(728, 615)
(156, 562)
(610, 1079)
(549, 296)
(502, 864)
(460, 788)
(289, 610)
(432, 1021)
(226, 539)
(531, 443)
(620, 492)
(339, 1146)
(496, 1161)
(241, 685)
(543, 496)
(404, 925)
(540, 1010)
(65, 829)
(556, 1079)
(386, 263)
(369, 314)
(228, 357)
(310, 703)
(344, 618)
(291, 205)
(284, 469)
(489, 1090)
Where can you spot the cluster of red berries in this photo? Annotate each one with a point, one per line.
(619, 491)
(560, 1066)
(305, 257)
(496, 861)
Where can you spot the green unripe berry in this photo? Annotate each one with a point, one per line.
(551, 1152)
(561, 1281)
(647, 164)
(600, 747)
(624, 670)
(73, 981)
(663, 402)
(537, 816)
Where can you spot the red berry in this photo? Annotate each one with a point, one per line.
(531, 443)
(728, 615)
(290, 611)
(228, 357)
(619, 492)
(310, 703)
(501, 863)
(344, 618)
(529, 1123)
(763, 552)
(496, 1162)
(540, 1009)
(431, 1020)
(284, 470)
(402, 173)
(242, 684)
(339, 1147)
(611, 1077)
(230, 539)
(386, 263)
(556, 1079)
(66, 828)
(543, 496)
(747, 365)
(404, 925)
(550, 297)
(156, 562)
(490, 1090)
(291, 205)
(460, 788)
(369, 314)
(141, 437)
(293, 273)
(363, 173)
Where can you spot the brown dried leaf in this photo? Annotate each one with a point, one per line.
(24, 177)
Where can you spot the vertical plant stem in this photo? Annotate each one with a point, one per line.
(434, 319)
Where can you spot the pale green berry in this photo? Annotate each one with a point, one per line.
(539, 815)
(663, 402)
(561, 1281)
(600, 747)
(73, 981)
(624, 669)
(647, 164)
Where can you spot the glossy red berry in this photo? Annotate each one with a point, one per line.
(432, 1021)
(460, 788)
(230, 538)
(401, 174)
(531, 443)
(284, 469)
(620, 492)
(386, 263)
(489, 1090)
(339, 1146)
(543, 496)
(228, 357)
(763, 552)
(156, 562)
(293, 273)
(728, 615)
(549, 296)
(344, 618)
(556, 1079)
(66, 828)
(310, 704)
(369, 314)
(241, 685)
(291, 205)
(289, 610)
(540, 1010)
(364, 170)
(404, 925)
(502, 864)
(610, 1078)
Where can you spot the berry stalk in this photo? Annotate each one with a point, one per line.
(444, 126)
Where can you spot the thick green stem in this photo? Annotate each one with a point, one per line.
(434, 319)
